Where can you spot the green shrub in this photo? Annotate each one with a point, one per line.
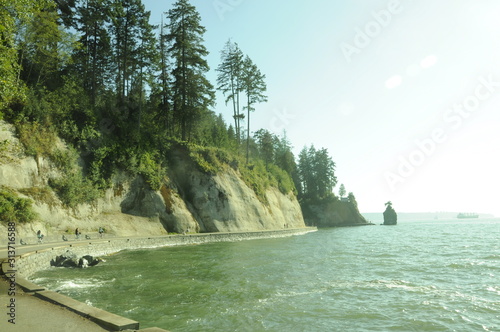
(63, 159)
(15, 209)
(4, 146)
(205, 159)
(151, 170)
(282, 179)
(74, 189)
(257, 178)
(38, 139)
(40, 194)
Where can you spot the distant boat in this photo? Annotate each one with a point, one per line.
(467, 215)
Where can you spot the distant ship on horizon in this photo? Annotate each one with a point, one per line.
(467, 215)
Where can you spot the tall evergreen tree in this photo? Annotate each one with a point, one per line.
(229, 80)
(267, 144)
(285, 159)
(316, 172)
(162, 87)
(133, 41)
(254, 86)
(342, 191)
(192, 92)
(93, 59)
(325, 173)
(14, 14)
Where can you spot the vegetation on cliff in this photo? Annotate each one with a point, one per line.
(13, 208)
(96, 74)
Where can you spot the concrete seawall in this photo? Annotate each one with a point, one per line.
(36, 258)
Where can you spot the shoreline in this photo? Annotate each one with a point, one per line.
(32, 259)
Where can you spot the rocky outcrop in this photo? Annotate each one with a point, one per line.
(224, 203)
(390, 215)
(192, 201)
(333, 213)
(70, 259)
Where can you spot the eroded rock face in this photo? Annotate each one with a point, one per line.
(70, 259)
(197, 202)
(224, 203)
(390, 216)
(334, 213)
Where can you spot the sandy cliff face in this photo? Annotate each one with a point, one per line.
(224, 203)
(188, 201)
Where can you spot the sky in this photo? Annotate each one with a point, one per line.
(404, 94)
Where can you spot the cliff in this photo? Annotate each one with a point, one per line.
(331, 212)
(188, 201)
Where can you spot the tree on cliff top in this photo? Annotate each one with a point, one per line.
(342, 191)
(192, 91)
(229, 80)
(316, 172)
(254, 86)
(352, 199)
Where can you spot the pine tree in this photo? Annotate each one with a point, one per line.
(93, 58)
(192, 92)
(325, 173)
(162, 88)
(133, 43)
(342, 191)
(229, 80)
(13, 15)
(316, 172)
(254, 86)
(266, 142)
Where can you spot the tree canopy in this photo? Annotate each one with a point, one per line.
(316, 172)
(122, 91)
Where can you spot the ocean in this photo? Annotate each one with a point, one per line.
(421, 275)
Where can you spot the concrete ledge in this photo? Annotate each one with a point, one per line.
(105, 319)
(28, 286)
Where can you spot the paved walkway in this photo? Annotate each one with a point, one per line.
(34, 314)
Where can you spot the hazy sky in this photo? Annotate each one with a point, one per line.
(404, 94)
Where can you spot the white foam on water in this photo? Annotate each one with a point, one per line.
(80, 284)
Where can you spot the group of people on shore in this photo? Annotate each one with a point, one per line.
(40, 235)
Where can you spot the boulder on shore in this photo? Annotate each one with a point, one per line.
(70, 259)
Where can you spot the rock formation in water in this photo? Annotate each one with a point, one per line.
(390, 215)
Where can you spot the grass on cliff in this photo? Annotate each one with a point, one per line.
(14, 208)
(73, 188)
(256, 174)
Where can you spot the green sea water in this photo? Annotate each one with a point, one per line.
(436, 275)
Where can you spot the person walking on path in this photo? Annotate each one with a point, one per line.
(77, 233)
(39, 235)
